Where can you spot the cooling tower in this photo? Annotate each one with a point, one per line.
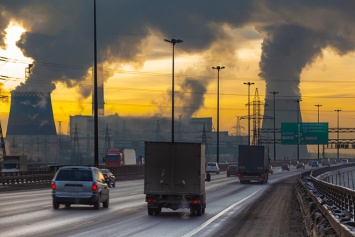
(31, 114)
(287, 111)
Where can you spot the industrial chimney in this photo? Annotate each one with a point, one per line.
(31, 114)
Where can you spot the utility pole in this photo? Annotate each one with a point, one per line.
(274, 93)
(173, 42)
(218, 68)
(318, 105)
(249, 84)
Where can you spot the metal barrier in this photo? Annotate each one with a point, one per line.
(323, 193)
(26, 178)
(45, 177)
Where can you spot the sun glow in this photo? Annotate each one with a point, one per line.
(14, 64)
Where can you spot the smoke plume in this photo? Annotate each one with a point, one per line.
(60, 36)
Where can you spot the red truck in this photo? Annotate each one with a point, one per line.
(120, 156)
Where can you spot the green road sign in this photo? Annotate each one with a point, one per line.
(309, 133)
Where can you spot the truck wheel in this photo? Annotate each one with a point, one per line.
(198, 210)
(150, 211)
(192, 210)
(157, 211)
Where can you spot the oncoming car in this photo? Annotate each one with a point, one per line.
(79, 185)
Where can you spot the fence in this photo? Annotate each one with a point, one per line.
(45, 177)
(338, 199)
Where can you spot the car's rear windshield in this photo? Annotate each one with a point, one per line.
(212, 164)
(74, 175)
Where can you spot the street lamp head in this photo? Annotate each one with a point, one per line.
(274, 92)
(173, 41)
(249, 83)
(318, 105)
(218, 67)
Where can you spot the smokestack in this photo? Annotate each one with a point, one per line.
(31, 114)
(100, 92)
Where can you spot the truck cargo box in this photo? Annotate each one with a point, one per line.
(253, 163)
(174, 168)
(174, 176)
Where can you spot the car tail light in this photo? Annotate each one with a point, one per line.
(240, 175)
(151, 200)
(94, 186)
(105, 176)
(262, 175)
(53, 185)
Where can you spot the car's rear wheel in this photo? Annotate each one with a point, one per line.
(106, 203)
(55, 205)
(67, 205)
(97, 204)
(114, 184)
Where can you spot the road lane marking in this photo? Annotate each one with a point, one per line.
(205, 224)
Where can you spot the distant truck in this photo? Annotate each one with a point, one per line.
(253, 164)
(14, 164)
(120, 156)
(174, 177)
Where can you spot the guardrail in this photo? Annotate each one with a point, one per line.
(335, 202)
(35, 178)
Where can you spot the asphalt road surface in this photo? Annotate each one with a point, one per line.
(275, 213)
(233, 209)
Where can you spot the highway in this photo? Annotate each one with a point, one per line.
(30, 212)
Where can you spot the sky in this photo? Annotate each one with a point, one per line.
(302, 49)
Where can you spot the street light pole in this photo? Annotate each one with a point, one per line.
(96, 113)
(318, 105)
(298, 128)
(218, 68)
(274, 93)
(338, 110)
(173, 42)
(249, 84)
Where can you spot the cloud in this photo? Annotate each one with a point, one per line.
(60, 35)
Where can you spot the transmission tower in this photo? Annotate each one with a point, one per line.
(257, 117)
(180, 131)
(158, 132)
(107, 140)
(204, 141)
(76, 153)
(2, 142)
(124, 131)
(60, 133)
(116, 138)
